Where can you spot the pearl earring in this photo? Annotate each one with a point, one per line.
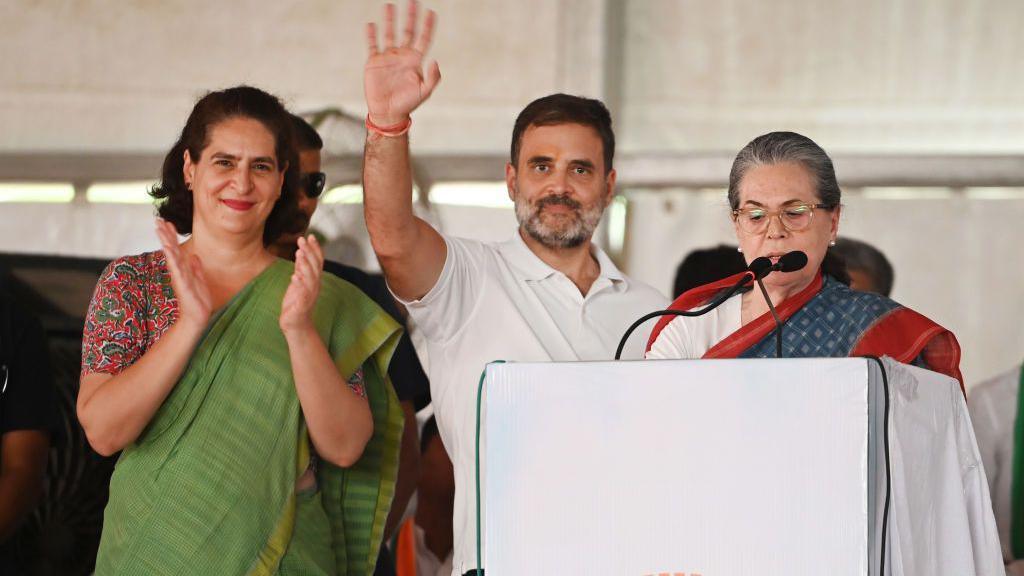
(740, 250)
(832, 243)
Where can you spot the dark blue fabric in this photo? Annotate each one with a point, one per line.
(829, 325)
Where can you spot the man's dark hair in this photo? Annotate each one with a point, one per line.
(868, 259)
(707, 265)
(306, 137)
(565, 109)
(210, 110)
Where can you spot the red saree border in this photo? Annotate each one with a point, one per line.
(904, 334)
(755, 331)
(693, 298)
(733, 345)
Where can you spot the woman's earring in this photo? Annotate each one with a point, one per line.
(739, 249)
(832, 243)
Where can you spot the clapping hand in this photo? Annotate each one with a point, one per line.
(300, 297)
(393, 79)
(195, 302)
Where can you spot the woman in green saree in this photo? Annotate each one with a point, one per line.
(248, 395)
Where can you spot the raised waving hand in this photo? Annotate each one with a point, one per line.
(394, 80)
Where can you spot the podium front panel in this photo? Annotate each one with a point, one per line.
(711, 467)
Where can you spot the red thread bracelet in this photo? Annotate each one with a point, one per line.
(389, 131)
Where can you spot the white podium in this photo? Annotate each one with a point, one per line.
(730, 467)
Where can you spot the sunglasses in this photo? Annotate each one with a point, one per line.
(313, 183)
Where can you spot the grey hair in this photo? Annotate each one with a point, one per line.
(781, 148)
(789, 147)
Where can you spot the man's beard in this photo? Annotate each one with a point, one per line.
(574, 229)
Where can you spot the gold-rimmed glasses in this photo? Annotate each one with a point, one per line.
(793, 217)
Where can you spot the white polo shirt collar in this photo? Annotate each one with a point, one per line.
(531, 267)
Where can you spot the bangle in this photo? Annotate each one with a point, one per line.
(389, 131)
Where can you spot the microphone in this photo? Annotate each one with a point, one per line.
(758, 268)
(789, 262)
(756, 271)
(761, 267)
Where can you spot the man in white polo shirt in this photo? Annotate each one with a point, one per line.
(546, 294)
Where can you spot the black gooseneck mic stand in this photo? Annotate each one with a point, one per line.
(789, 262)
(778, 323)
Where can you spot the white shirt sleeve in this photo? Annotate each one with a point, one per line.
(673, 342)
(451, 302)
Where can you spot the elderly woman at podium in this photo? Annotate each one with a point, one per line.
(785, 198)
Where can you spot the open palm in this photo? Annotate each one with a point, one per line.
(188, 280)
(304, 288)
(393, 79)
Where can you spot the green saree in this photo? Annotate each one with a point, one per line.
(209, 486)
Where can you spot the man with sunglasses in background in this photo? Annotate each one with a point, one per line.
(311, 185)
(406, 373)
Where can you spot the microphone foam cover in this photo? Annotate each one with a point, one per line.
(760, 266)
(792, 261)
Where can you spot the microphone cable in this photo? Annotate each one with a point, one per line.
(711, 306)
(757, 269)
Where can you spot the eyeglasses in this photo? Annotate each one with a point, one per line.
(794, 217)
(313, 183)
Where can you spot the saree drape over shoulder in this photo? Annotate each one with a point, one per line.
(209, 486)
(828, 319)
